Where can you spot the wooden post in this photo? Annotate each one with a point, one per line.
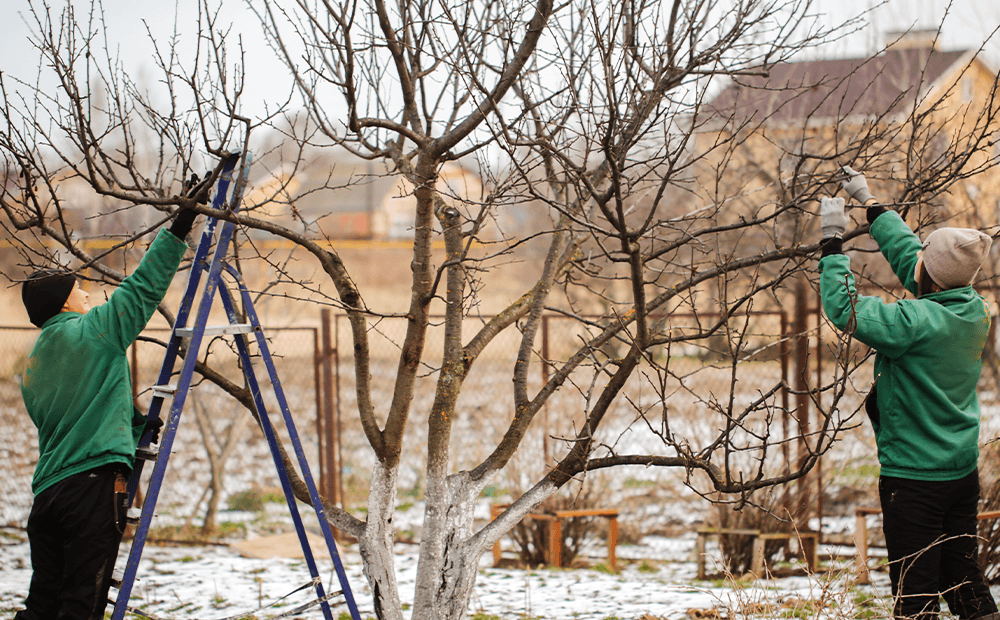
(861, 543)
(342, 498)
(809, 541)
(555, 541)
(757, 559)
(613, 543)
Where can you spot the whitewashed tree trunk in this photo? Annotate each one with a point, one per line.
(450, 550)
(375, 544)
(447, 526)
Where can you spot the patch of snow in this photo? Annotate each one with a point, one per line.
(214, 582)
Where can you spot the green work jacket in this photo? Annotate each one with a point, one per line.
(927, 362)
(77, 387)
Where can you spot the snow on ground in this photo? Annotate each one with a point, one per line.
(215, 582)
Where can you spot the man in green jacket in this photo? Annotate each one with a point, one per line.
(923, 405)
(77, 391)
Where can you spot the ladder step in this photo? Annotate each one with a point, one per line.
(217, 330)
(164, 391)
(133, 516)
(147, 453)
(116, 578)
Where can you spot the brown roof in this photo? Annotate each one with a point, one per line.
(833, 89)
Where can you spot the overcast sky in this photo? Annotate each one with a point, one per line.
(969, 23)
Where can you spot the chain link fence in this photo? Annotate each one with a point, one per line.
(217, 438)
(690, 383)
(219, 449)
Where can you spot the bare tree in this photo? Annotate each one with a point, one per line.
(219, 446)
(593, 114)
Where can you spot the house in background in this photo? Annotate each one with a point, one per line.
(761, 139)
(817, 108)
(339, 198)
(767, 138)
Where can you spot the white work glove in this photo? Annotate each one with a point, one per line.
(856, 186)
(833, 217)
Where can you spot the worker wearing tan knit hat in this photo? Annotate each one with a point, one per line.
(923, 404)
(953, 256)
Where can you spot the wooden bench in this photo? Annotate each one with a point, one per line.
(861, 536)
(553, 554)
(808, 541)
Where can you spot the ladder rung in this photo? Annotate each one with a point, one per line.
(164, 391)
(147, 453)
(217, 330)
(133, 516)
(116, 578)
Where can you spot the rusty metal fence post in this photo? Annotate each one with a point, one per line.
(801, 382)
(339, 421)
(318, 395)
(817, 311)
(329, 436)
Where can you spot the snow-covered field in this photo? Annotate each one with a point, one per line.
(657, 579)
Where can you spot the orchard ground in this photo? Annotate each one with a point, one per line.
(657, 578)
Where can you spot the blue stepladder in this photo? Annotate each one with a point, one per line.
(228, 196)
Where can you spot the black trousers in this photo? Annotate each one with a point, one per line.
(74, 530)
(930, 534)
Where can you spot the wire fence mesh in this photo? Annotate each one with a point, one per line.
(691, 384)
(217, 438)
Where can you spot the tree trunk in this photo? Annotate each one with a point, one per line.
(208, 526)
(448, 565)
(375, 544)
(458, 577)
(444, 590)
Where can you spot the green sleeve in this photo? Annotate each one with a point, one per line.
(885, 327)
(899, 245)
(122, 318)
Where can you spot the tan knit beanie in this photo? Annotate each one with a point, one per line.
(953, 256)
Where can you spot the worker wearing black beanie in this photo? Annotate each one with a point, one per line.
(77, 390)
(45, 292)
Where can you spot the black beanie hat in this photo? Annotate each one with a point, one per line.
(45, 292)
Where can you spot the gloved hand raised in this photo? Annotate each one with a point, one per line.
(832, 217)
(856, 186)
(197, 190)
